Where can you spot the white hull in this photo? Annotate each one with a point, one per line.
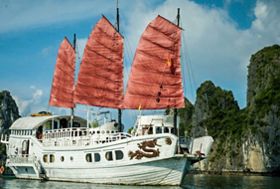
(161, 172)
(167, 169)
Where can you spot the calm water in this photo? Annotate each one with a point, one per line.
(191, 182)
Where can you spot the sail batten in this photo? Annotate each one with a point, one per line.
(64, 77)
(155, 80)
(100, 80)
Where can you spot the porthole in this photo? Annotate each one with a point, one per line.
(88, 157)
(97, 157)
(109, 156)
(45, 158)
(71, 158)
(62, 158)
(52, 158)
(119, 154)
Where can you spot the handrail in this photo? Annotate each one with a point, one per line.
(4, 139)
(81, 137)
(24, 158)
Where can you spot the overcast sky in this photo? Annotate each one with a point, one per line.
(218, 39)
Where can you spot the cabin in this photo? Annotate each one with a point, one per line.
(153, 124)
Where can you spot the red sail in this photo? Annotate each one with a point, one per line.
(100, 80)
(155, 79)
(63, 81)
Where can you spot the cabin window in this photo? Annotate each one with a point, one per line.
(88, 157)
(45, 158)
(52, 158)
(25, 147)
(166, 130)
(93, 132)
(76, 124)
(63, 123)
(158, 130)
(109, 156)
(98, 132)
(55, 125)
(150, 130)
(62, 158)
(48, 125)
(71, 158)
(96, 157)
(39, 132)
(112, 131)
(107, 132)
(119, 154)
(103, 132)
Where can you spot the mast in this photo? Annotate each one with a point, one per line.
(72, 109)
(175, 109)
(118, 29)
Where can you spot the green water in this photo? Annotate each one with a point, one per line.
(191, 182)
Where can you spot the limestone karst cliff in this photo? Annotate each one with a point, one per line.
(8, 114)
(247, 139)
(263, 107)
(8, 111)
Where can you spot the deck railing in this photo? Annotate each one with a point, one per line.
(81, 137)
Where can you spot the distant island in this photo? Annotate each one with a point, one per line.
(246, 140)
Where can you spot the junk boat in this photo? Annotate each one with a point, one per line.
(67, 148)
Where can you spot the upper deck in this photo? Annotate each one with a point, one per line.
(58, 131)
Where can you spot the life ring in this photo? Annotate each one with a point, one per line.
(2, 169)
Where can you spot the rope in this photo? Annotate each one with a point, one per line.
(188, 63)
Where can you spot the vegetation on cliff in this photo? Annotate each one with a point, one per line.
(8, 114)
(245, 138)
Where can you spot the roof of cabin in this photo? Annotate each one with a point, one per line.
(157, 120)
(27, 123)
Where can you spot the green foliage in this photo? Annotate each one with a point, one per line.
(130, 130)
(185, 115)
(94, 124)
(2, 152)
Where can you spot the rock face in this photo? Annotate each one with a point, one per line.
(8, 111)
(247, 139)
(8, 114)
(263, 106)
(217, 114)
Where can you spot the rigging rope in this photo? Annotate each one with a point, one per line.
(188, 63)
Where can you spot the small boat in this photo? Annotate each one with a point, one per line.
(68, 148)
